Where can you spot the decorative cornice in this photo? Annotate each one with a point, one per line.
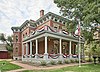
(51, 16)
(41, 20)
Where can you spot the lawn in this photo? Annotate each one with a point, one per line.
(6, 66)
(83, 68)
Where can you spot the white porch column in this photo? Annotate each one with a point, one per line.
(46, 45)
(30, 49)
(76, 49)
(70, 45)
(36, 54)
(36, 46)
(26, 48)
(60, 50)
(46, 54)
(60, 47)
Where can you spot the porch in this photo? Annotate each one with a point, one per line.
(48, 45)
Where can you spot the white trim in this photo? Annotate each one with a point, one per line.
(70, 45)
(51, 35)
(30, 47)
(36, 46)
(45, 44)
(60, 45)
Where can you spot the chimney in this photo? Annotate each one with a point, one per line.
(41, 13)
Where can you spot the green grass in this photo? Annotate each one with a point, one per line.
(83, 68)
(6, 66)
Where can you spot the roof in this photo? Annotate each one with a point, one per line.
(33, 23)
(3, 47)
(49, 30)
(52, 14)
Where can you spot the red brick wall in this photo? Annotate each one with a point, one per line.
(17, 50)
(26, 31)
(50, 45)
(3, 54)
(49, 23)
(41, 47)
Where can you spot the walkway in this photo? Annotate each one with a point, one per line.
(28, 67)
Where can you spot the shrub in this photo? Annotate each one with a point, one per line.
(89, 60)
(72, 60)
(43, 63)
(52, 62)
(76, 60)
(59, 62)
(67, 61)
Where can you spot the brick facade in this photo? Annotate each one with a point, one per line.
(20, 34)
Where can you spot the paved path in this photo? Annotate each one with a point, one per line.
(28, 67)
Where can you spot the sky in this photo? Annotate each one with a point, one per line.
(15, 12)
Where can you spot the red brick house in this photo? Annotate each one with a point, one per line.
(3, 51)
(44, 39)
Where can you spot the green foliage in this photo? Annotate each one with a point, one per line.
(89, 60)
(2, 38)
(83, 68)
(59, 62)
(71, 26)
(6, 66)
(43, 63)
(87, 10)
(76, 60)
(9, 38)
(9, 48)
(52, 62)
(8, 41)
(72, 60)
(67, 61)
(96, 46)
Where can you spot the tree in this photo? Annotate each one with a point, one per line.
(2, 38)
(8, 41)
(87, 10)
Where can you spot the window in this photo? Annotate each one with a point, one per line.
(26, 34)
(55, 27)
(60, 21)
(55, 19)
(16, 38)
(23, 35)
(16, 49)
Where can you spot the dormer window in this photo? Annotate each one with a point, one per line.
(23, 35)
(64, 23)
(63, 29)
(41, 21)
(26, 34)
(60, 21)
(55, 27)
(52, 18)
(16, 29)
(38, 23)
(55, 19)
(44, 19)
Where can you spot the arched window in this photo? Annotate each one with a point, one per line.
(23, 35)
(16, 38)
(16, 49)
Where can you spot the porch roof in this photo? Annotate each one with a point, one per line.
(60, 34)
